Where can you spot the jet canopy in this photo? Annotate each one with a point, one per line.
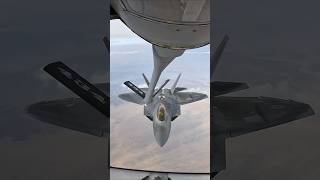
(161, 113)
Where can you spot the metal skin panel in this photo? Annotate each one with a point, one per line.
(162, 31)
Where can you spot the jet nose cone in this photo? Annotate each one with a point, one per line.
(161, 131)
(161, 140)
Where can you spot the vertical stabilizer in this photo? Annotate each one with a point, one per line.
(217, 54)
(175, 84)
(145, 79)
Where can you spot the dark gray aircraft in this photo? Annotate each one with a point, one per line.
(163, 107)
(235, 116)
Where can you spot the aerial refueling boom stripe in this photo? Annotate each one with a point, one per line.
(79, 86)
(135, 89)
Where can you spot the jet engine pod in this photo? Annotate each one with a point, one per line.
(167, 23)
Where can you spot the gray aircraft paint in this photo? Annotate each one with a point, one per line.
(169, 102)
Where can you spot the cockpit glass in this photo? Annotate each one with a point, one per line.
(186, 11)
(161, 114)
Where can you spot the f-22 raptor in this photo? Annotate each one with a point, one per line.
(164, 106)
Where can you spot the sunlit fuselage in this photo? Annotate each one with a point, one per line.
(163, 109)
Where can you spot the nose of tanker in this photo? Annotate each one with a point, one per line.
(168, 23)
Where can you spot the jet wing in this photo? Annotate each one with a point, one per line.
(219, 88)
(132, 97)
(189, 97)
(235, 116)
(241, 115)
(72, 113)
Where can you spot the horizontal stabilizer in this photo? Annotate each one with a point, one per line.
(79, 86)
(177, 89)
(219, 88)
(135, 89)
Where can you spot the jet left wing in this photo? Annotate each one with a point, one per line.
(132, 97)
(189, 97)
(72, 113)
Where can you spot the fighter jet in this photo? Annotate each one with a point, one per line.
(171, 27)
(235, 116)
(164, 106)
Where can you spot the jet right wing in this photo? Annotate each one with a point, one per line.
(189, 97)
(235, 116)
(219, 88)
(242, 115)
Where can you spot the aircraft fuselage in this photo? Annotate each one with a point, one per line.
(163, 109)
